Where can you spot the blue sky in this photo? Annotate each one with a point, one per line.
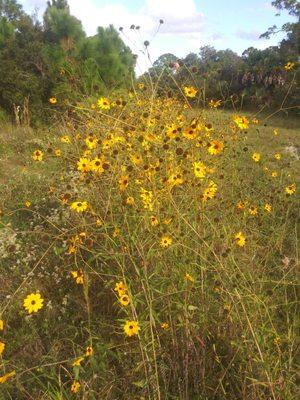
(189, 24)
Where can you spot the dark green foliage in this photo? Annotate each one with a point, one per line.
(55, 59)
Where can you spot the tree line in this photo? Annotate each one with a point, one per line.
(55, 59)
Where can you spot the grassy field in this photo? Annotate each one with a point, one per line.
(159, 244)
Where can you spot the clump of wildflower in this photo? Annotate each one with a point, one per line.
(147, 199)
(209, 192)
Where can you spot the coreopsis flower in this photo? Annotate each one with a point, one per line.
(84, 165)
(288, 66)
(103, 103)
(147, 199)
(130, 201)
(91, 142)
(190, 91)
(57, 152)
(189, 277)
(255, 121)
(89, 351)
(33, 302)
(275, 132)
(154, 221)
(256, 157)
(165, 326)
(65, 139)
(131, 328)
(1, 325)
(241, 205)
(79, 206)
(75, 387)
(7, 376)
(166, 241)
(53, 100)
(123, 182)
(2, 347)
(77, 362)
(291, 189)
(171, 131)
(98, 165)
(240, 239)
(37, 155)
(27, 203)
(277, 156)
(78, 276)
(124, 300)
(141, 85)
(268, 207)
(253, 210)
(121, 288)
(199, 169)
(274, 174)
(209, 192)
(242, 122)
(190, 133)
(215, 147)
(214, 103)
(136, 159)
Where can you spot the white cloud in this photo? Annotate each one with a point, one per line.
(181, 32)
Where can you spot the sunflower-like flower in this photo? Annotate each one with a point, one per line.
(131, 328)
(215, 147)
(288, 66)
(291, 189)
(166, 241)
(79, 206)
(75, 387)
(240, 239)
(256, 157)
(190, 91)
(33, 302)
(103, 103)
(37, 155)
(78, 276)
(124, 300)
(241, 121)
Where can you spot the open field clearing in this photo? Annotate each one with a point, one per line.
(158, 246)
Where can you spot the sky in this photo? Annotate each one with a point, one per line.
(188, 24)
